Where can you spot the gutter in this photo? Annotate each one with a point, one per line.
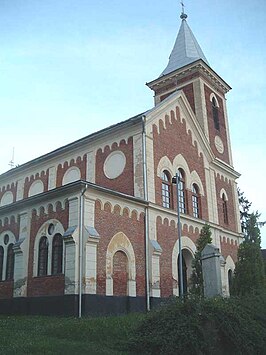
(145, 183)
(81, 225)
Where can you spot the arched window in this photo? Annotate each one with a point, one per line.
(195, 201)
(225, 212)
(43, 257)
(10, 263)
(1, 262)
(215, 114)
(57, 254)
(166, 189)
(230, 280)
(181, 191)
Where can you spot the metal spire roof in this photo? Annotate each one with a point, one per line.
(186, 49)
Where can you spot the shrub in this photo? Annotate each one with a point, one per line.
(198, 326)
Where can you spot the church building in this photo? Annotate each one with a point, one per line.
(92, 227)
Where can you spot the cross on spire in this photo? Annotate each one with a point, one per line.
(183, 16)
(183, 7)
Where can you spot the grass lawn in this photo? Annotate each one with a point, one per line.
(55, 335)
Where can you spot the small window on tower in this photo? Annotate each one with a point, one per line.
(225, 212)
(215, 114)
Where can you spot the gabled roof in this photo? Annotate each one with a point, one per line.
(130, 121)
(186, 49)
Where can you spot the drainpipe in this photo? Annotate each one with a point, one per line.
(145, 183)
(81, 225)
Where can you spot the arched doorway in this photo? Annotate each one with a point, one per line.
(230, 280)
(187, 258)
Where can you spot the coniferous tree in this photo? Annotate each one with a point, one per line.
(196, 276)
(249, 276)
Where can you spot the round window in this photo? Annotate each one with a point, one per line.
(114, 164)
(51, 229)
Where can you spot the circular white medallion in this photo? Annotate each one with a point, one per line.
(114, 164)
(219, 144)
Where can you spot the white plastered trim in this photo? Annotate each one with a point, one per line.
(212, 95)
(120, 242)
(223, 192)
(180, 163)
(187, 244)
(72, 174)
(195, 179)
(165, 164)
(12, 240)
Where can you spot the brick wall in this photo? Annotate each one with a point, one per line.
(80, 163)
(124, 182)
(214, 132)
(170, 142)
(108, 224)
(45, 285)
(229, 247)
(44, 176)
(188, 91)
(6, 289)
(120, 274)
(167, 237)
(227, 186)
(12, 188)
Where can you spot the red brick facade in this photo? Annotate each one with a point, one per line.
(79, 163)
(44, 176)
(171, 141)
(222, 133)
(45, 285)
(109, 223)
(124, 182)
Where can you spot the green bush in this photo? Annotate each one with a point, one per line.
(198, 326)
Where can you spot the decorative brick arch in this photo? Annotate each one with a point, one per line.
(120, 242)
(187, 246)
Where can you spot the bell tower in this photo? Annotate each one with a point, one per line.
(189, 70)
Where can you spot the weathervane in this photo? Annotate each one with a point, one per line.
(183, 15)
(11, 163)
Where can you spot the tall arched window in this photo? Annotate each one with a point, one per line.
(1, 262)
(10, 263)
(195, 201)
(43, 257)
(166, 189)
(230, 280)
(181, 191)
(225, 212)
(57, 254)
(215, 114)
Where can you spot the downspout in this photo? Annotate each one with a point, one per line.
(81, 225)
(147, 239)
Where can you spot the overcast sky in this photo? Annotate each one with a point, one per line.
(71, 67)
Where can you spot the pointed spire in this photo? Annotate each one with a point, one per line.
(186, 48)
